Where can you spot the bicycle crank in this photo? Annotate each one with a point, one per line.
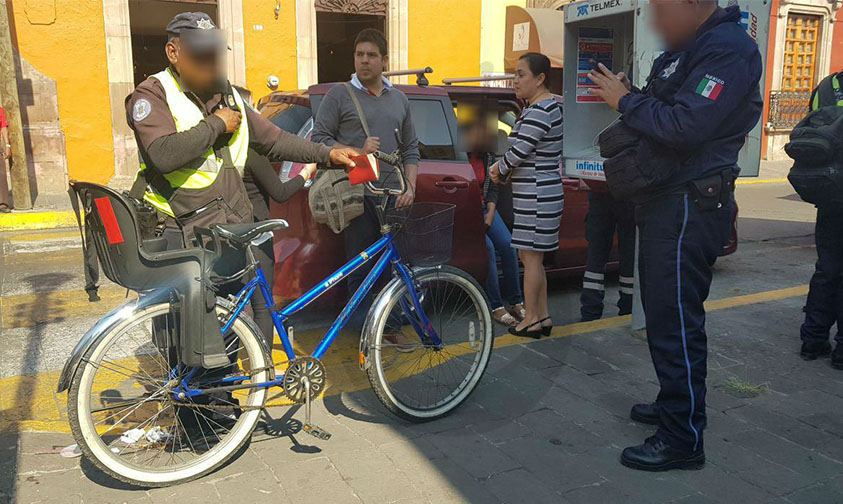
(304, 380)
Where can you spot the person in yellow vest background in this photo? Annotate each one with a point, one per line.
(194, 132)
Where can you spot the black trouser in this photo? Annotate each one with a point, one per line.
(265, 255)
(360, 234)
(233, 260)
(824, 307)
(678, 246)
(605, 215)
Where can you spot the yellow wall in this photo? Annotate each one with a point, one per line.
(445, 35)
(65, 40)
(271, 50)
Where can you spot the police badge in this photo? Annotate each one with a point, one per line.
(141, 109)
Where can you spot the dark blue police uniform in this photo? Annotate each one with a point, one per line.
(701, 100)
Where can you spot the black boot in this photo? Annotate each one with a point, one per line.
(647, 413)
(815, 350)
(93, 295)
(837, 357)
(655, 455)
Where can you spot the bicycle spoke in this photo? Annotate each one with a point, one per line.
(429, 377)
(132, 410)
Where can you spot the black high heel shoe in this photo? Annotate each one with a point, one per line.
(546, 330)
(526, 332)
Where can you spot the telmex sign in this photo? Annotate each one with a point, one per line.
(595, 8)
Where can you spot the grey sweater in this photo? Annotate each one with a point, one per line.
(337, 121)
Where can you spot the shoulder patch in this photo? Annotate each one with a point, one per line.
(141, 109)
(710, 87)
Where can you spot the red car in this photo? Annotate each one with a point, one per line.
(307, 252)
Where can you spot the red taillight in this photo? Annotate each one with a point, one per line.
(109, 221)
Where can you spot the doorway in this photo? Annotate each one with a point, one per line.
(335, 34)
(148, 21)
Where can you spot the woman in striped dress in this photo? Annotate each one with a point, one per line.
(532, 165)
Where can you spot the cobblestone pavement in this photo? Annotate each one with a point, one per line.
(549, 419)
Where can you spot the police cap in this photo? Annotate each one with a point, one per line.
(197, 31)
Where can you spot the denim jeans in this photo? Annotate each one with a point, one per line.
(498, 242)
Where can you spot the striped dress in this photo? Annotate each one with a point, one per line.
(534, 159)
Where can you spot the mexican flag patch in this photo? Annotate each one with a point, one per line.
(709, 88)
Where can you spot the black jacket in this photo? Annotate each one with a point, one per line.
(262, 184)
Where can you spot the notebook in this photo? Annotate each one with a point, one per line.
(366, 169)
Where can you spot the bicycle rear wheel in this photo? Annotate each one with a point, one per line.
(124, 415)
(415, 378)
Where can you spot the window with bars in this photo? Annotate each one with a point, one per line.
(800, 52)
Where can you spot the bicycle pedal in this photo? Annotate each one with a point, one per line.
(317, 432)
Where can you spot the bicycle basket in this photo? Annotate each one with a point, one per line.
(424, 232)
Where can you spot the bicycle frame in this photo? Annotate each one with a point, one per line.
(389, 256)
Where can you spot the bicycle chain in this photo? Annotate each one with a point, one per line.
(219, 407)
(252, 372)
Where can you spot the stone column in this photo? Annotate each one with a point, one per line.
(231, 20)
(11, 104)
(307, 67)
(398, 35)
(118, 47)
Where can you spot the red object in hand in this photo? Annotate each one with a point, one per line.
(366, 169)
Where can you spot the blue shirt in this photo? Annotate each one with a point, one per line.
(355, 81)
(702, 100)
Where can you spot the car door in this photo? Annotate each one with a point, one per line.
(446, 176)
(573, 246)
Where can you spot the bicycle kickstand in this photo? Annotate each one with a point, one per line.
(312, 429)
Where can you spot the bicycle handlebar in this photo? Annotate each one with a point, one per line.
(395, 160)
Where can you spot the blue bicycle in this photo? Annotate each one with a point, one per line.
(143, 417)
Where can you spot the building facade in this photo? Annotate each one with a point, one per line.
(806, 44)
(79, 59)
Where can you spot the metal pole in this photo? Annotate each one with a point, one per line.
(10, 103)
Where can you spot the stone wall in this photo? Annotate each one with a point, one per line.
(43, 137)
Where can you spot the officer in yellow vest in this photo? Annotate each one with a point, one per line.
(191, 133)
(824, 306)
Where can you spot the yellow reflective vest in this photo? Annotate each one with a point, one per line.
(835, 86)
(201, 172)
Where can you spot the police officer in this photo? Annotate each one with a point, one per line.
(192, 137)
(701, 99)
(824, 306)
(605, 215)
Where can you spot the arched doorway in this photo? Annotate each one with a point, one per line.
(337, 24)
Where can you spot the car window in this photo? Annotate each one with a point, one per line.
(286, 167)
(292, 118)
(432, 129)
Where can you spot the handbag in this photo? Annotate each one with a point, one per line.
(332, 198)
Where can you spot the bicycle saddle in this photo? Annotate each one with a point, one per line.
(241, 234)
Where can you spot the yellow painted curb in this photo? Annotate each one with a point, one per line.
(760, 181)
(46, 219)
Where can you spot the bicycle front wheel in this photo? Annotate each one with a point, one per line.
(124, 414)
(419, 379)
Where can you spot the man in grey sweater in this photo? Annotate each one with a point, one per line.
(386, 109)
